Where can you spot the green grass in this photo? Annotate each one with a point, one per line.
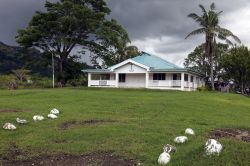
(145, 121)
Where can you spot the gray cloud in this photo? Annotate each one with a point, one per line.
(156, 26)
(160, 26)
(14, 15)
(156, 18)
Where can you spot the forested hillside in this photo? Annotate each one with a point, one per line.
(13, 57)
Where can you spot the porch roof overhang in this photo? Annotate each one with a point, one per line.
(177, 70)
(97, 71)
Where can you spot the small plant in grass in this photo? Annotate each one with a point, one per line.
(202, 89)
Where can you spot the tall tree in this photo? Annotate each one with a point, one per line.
(236, 65)
(198, 61)
(209, 26)
(65, 25)
(113, 45)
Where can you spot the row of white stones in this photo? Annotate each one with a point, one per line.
(52, 115)
(212, 146)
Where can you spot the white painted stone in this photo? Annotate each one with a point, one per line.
(21, 121)
(180, 139)
(52, 116)
(54, 111)
(213, 147)
(164, 158)
(189, 131)
(38, 118)
(9, 126)
(169, 148)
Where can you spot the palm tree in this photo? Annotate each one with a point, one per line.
(209, 26)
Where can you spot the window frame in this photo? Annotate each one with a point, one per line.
(122, 77)
(185, 77)
(159, 76)
(192, 79)
(178, 76)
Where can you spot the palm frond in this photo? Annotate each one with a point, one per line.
(196, 32)
(227, 33)
(195, 17)
(203, 9)
(222, 37)
(218, 13)
(212, 6)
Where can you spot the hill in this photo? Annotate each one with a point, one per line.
(14, 57)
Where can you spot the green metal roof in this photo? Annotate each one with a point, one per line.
(154, 62)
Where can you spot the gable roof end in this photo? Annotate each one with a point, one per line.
(112, 68)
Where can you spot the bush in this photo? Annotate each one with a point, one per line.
(8, 82)
(81, 81)
(202, 88)
(40, 82)
(12, 82)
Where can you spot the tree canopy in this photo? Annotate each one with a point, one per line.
(198, 61)
(209, 26)
(112, 46)
(68, 24)
(236, 66)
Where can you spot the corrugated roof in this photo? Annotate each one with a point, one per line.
(154, 62)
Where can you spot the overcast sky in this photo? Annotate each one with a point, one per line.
(155, 26)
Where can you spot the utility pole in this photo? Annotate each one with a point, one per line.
(53, 70)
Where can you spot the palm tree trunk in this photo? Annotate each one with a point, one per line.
(212, 55)
(212, 72)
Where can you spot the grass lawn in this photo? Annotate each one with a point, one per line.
(143, 121)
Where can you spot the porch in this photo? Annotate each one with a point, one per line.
(176, 81)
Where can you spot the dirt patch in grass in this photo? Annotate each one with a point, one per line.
(67, 124)
(11, 110)
(238, 134)
(59, 141)
(72, 123)
(14, 153)
(90, 159)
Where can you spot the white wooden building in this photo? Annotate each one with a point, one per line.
(145, 71)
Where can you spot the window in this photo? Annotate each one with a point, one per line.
(159, 76)
(105, 76)
(192, 79)
(176, 77)
(185, 77)
(122, 77)
(95, 77)
(100, 76)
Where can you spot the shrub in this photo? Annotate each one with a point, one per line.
(202, 88)
(81, 81)
(8, 82)
(40, 82)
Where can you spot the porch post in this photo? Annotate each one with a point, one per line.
(116, 80)
(146, 79)
(182, 81)
(89, 79)
(189, 82)
(195, 83)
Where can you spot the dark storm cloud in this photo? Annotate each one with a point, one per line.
(160, 26)
(157, 26)
(14, 15)
(155, 18)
